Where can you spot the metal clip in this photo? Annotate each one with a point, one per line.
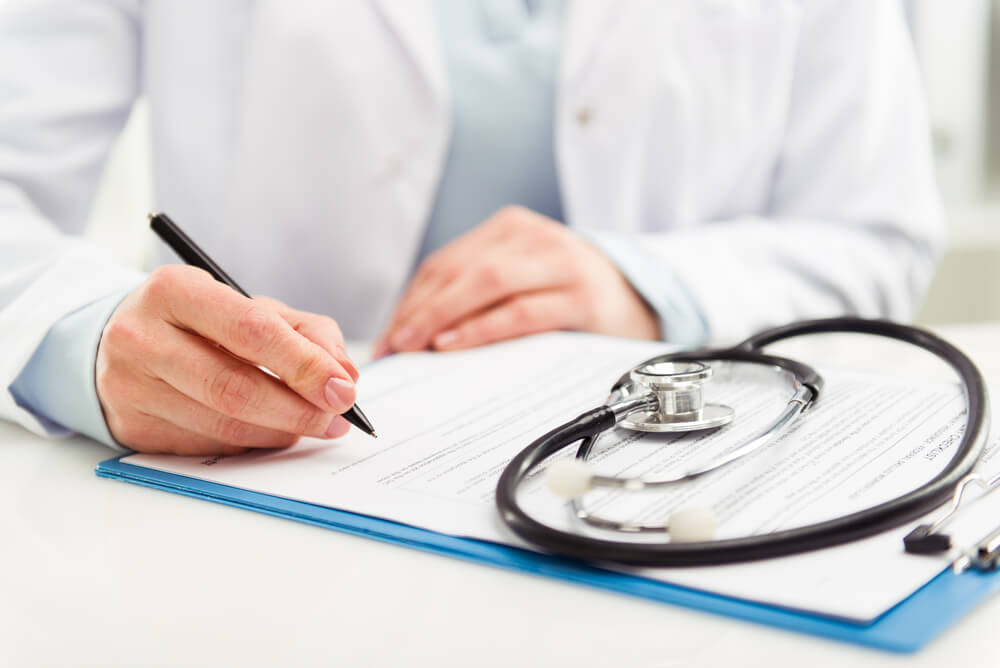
(925, 538)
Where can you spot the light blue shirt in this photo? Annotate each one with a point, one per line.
(502, 59)
(57, 384)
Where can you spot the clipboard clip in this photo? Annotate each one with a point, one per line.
(927, 539)
(983, 557)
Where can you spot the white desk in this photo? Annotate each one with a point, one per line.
(103, 573)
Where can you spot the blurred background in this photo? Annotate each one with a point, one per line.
(958, 45)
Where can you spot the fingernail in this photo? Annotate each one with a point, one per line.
(446, 339)
(404, 338)
(338, 427)
(348, 365)
(339, 393)
(350, 368)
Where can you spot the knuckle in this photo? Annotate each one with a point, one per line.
(231, 431)
(449, 274)
(164, 279)
(431, 315)
(491, 277)
(483, 329)
(170, 272)
(122, 333)
(437, 269)
(333, 327)
(520, 312)
(431, 266)
(307, 421)
(256, 329)
(231, 391)
(512, 213)
(309, 369)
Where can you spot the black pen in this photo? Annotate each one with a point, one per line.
(188, 250)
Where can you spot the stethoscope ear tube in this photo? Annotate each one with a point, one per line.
(587, 425)
(854, 526)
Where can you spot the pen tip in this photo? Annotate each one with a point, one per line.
(374, 435)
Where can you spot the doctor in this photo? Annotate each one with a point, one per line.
(441, 174)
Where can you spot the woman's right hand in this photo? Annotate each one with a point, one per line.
(177, 369)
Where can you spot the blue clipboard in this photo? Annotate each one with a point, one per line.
(907, 627)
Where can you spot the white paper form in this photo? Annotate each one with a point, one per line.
(449, 423)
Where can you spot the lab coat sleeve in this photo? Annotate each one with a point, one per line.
(853, 224)
(69, 73)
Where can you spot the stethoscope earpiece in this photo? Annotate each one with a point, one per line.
(569, 478)
(693, 525)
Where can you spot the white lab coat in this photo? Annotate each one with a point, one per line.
(775, 153)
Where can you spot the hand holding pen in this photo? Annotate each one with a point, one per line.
(178, 369)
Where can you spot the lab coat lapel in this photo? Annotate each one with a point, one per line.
(586, 25)
(414, 24)
(349, 159)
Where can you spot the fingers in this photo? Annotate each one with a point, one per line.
(515, 252)
(321, 330)
(153, 435)
(171, 406)
(428, 280)
(479, 288)
(234, 395)
(144, 431)
(445, 264)
(254, 332)
(434, 273)
(522, 315)
(161, 419)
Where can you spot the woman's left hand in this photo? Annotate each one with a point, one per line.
(517, 273)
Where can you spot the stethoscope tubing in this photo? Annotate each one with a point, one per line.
(844, 529)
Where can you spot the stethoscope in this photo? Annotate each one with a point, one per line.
(665, 394)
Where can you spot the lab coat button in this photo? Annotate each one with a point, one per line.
(583, 115)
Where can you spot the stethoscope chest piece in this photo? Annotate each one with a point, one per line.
(680, 404)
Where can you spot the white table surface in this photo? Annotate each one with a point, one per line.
(98, 572)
